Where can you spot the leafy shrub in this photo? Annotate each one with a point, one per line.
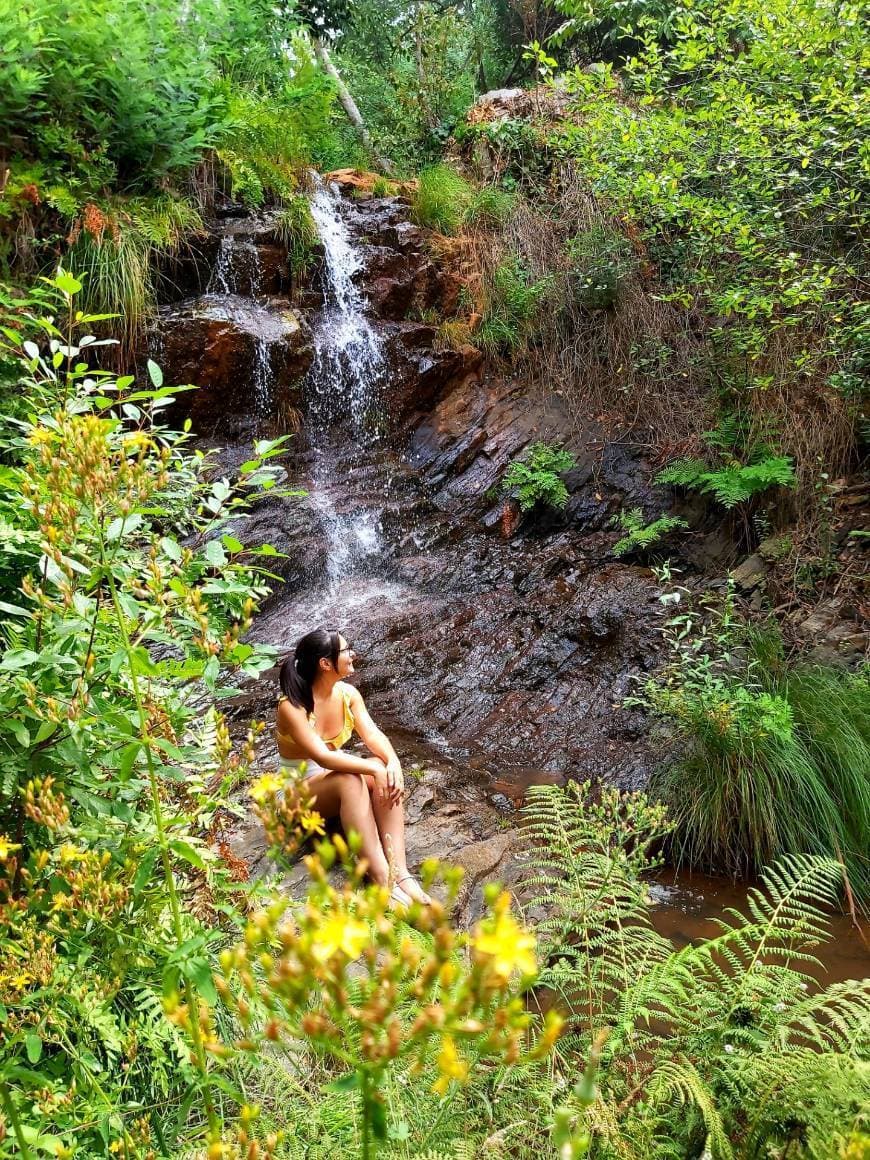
(535, 478)
(642, 536)
(733, 484)
(776, 756)
(514, 300)
(724, 1048)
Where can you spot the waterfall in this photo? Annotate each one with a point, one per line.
(343, 394)
(349, 365)
(237, 268)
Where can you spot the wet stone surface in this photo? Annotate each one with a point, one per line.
(495, 648)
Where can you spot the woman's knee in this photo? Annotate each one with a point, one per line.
(352, 789)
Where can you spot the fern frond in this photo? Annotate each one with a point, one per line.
(679, 1078)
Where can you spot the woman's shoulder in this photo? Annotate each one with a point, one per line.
(347, 692)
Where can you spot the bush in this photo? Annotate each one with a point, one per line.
(723, 1048)
(513, 302)
(599, 259)
(535, 478)
(776, 755)
(442, 199)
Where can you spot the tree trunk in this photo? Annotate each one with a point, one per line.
(350, 107)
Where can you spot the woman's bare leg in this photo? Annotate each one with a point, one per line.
(347, 795)
(390, 820)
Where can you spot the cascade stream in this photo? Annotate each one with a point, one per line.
(493, 661)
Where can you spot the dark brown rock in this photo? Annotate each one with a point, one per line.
(222, 344)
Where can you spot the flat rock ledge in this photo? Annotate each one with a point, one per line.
(444, 819)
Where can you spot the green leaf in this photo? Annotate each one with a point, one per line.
(229, 542)
(215, 554)
(171, 548)
(345, 1083)
(122, 526)
(155, 374)
(128, 760)
(65, 282)
(33, 1047)
(144, 871)
(187, 852)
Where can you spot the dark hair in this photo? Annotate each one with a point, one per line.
(301, 667)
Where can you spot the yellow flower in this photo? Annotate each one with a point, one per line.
(339, 933)
(69, 853)
(451, 1066)
(265, 787)
(507, 945)
(7, 847)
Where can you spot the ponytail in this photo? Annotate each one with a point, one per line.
(300, 669)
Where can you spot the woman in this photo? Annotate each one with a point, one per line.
(317, 714)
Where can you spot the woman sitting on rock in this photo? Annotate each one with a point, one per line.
(317, 714)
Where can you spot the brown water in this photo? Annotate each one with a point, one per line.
(687, 904)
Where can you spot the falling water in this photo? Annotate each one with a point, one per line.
(263, 378)
(221, 275)
(237, 268)
(343, 396)
(349, 365)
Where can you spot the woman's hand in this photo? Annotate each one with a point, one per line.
(384, 787)
(394, 773)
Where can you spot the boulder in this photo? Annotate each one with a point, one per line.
(247, 358)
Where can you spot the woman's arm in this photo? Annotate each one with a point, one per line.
(293, 722)
(375, 740)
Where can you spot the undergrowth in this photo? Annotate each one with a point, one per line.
(775, 754)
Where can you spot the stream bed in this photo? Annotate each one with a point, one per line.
(494, 657)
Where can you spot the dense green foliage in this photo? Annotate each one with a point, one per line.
(120, 132)
(727, 1048)
(415, 68)
(776, 754)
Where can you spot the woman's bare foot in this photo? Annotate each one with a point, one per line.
(409, 884)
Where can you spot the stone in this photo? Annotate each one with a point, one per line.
(218, 343)
(750, 573)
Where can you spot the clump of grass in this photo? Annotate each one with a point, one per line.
(442, 199)
(452, 334)
(489, 206)
(446, 202)
(296, 229)
(113, 253)
(777, 759)
(514, 303)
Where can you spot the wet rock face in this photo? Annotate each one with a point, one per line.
(221, 343)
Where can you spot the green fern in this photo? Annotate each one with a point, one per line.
(724, 1046)
(535, 478)
(733, 484)
(642, 536)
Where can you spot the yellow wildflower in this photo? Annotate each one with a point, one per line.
(451, 1066)
(340, 933)
(265, 787)
(7, 847)
(507, 945)
(69, 853)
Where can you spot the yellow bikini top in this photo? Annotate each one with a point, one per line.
(344, 734)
